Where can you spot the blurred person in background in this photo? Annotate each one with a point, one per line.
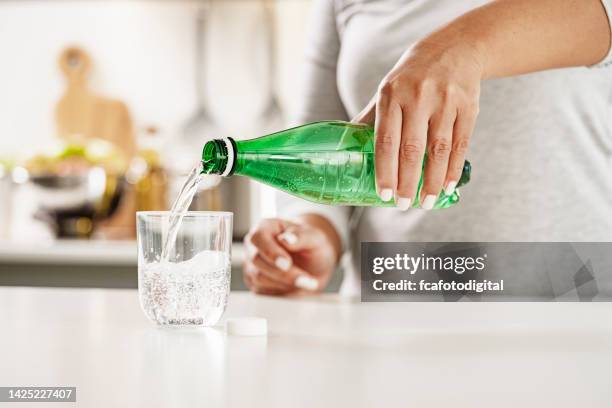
(519, 86)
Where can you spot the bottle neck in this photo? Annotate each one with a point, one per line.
(219, 157)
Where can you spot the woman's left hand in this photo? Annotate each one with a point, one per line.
(427, 103)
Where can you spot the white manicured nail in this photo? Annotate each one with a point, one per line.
(289, 237)
(386, 194)
(403, 203)
(450, 187)
(282, 263)
(429, 202)
(306, 282)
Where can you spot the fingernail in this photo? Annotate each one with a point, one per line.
(429, 202)
(289, 237)
(282, 263)
(386, 194)
(450, 187)
(306, 282)
(403, 203)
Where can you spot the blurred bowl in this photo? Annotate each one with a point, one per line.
(72, 204)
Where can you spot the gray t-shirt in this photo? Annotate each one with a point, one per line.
(541, 152)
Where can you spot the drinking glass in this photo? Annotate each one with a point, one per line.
(190, 284)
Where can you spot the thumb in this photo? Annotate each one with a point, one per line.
(298, 238)
(368, 114)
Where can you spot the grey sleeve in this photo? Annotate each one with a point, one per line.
(319, 100)
(318, 97)
(607, 61)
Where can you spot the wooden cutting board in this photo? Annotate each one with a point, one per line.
(82, 114)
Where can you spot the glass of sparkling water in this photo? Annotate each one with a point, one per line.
(184, 263)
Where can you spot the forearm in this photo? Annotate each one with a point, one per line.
(513, 37)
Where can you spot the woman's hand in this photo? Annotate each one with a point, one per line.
(428, 103)
(285, 257)
(429, 100)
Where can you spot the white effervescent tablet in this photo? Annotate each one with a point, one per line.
(247, 326)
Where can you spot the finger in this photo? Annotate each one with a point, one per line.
(439, 141)
(368, 114)
(411, 152)
(262, 242)
(388, 129)
(248, 280)
(462, 132)
(298, 238)
(259, 280)
(262, 284)
(268, 292)
(284, 278)
(293, 278)
(260, 290)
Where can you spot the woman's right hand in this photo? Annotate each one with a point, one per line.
(284, 257)
(427, 103)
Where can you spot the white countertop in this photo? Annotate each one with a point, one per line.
(81, 252)
(320, 352)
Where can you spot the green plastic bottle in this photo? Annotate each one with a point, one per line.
(325, 162)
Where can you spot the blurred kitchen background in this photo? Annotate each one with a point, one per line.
(104, 108)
